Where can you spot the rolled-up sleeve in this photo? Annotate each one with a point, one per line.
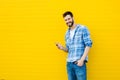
(86, 37)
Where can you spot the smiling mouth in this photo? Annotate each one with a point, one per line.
(68, 23)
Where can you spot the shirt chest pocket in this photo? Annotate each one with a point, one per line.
(78, 38)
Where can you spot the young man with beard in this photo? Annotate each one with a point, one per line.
(78, 43)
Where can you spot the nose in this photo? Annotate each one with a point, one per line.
(67, 21)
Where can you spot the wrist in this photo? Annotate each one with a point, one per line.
(63, 48)
(82, 59)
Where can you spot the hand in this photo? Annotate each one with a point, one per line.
(80, 62)
(59, 46)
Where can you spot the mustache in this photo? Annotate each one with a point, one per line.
(69, 22)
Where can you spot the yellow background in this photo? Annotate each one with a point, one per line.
(30, 28)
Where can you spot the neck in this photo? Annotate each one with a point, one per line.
(73, 27)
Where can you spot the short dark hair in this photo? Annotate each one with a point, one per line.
(68, 13)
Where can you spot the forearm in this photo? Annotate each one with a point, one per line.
(65, 49)
(86, 51)
(61, 47)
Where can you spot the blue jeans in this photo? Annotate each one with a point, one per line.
(76, 72)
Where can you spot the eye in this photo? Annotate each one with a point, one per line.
(65, 19)
(68, 18)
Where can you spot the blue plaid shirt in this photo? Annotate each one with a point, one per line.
(77, 44)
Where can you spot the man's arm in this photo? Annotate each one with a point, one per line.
(81, 61)
(88, 43)
(87, 49)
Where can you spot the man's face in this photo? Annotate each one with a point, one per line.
(69, 20)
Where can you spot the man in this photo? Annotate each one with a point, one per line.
(78, 43)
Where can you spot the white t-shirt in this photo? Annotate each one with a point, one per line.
(72, 32)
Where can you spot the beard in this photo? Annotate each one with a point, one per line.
(70, 24)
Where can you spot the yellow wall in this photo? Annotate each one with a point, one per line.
(30, 28)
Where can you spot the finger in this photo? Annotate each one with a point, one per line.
(56, 43)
